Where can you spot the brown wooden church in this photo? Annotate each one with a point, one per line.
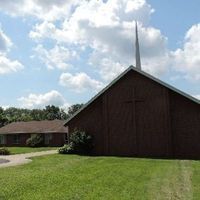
(139, 115)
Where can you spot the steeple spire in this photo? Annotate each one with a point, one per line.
(137, 48)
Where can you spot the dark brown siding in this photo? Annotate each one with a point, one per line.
(91, 120)
(185, 117)
(139, 117)
(151, 111)
(121, 136)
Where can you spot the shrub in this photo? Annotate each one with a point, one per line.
(80, 143)
(4, 151)
(35, 140)
(66, 149)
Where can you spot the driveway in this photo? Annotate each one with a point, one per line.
(19, 159)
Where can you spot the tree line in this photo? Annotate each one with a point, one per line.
(50, 112)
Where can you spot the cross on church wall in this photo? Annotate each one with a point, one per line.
(133, 101)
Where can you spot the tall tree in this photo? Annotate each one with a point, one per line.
(52, 112)
(37, 114)
(73, 109)
(63, 114)
(3, 119)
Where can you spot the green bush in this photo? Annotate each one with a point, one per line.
(4, 151)
(66, 149)
(80, 143)
(35, 140)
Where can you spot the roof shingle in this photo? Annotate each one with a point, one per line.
(46, 126)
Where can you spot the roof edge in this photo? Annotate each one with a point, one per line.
(168, 86)
(21, 132)
(120, 76)
(98, 94)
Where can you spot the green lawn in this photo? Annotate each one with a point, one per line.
(18, 150)
(63, 177)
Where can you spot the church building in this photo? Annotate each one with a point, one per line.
(139, 115)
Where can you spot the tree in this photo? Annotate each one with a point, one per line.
(17, 114)
(73, 109)
(52, 112)
(37, 114)
(63, 114)
(3, 120)
(1, 110)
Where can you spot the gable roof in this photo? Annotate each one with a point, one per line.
(140, 72)
(46, 126)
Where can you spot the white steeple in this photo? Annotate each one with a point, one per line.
(137, 48)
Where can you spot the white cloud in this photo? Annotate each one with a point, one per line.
(187, 59)
(106, 66)
(57, 57)
(95, 14)
(80, 82)
(9, 66)
(51, 10)
(41, 100)
(5, 42)
(110, 69)
(42, 9)
(44, 29)
(107, 28)
(114, 51)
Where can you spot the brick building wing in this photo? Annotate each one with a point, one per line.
(16, 133)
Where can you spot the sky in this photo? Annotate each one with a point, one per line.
(63, 52)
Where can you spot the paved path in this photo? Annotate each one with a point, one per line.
(20, 159)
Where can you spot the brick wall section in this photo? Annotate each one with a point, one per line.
(58, 139)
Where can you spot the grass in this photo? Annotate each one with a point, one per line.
(19, 150)
(72, 177)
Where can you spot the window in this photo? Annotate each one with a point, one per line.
(16, 139)
(47, 138)
(2, 139)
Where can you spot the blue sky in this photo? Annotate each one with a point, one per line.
(175, 18)
(64, 52)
